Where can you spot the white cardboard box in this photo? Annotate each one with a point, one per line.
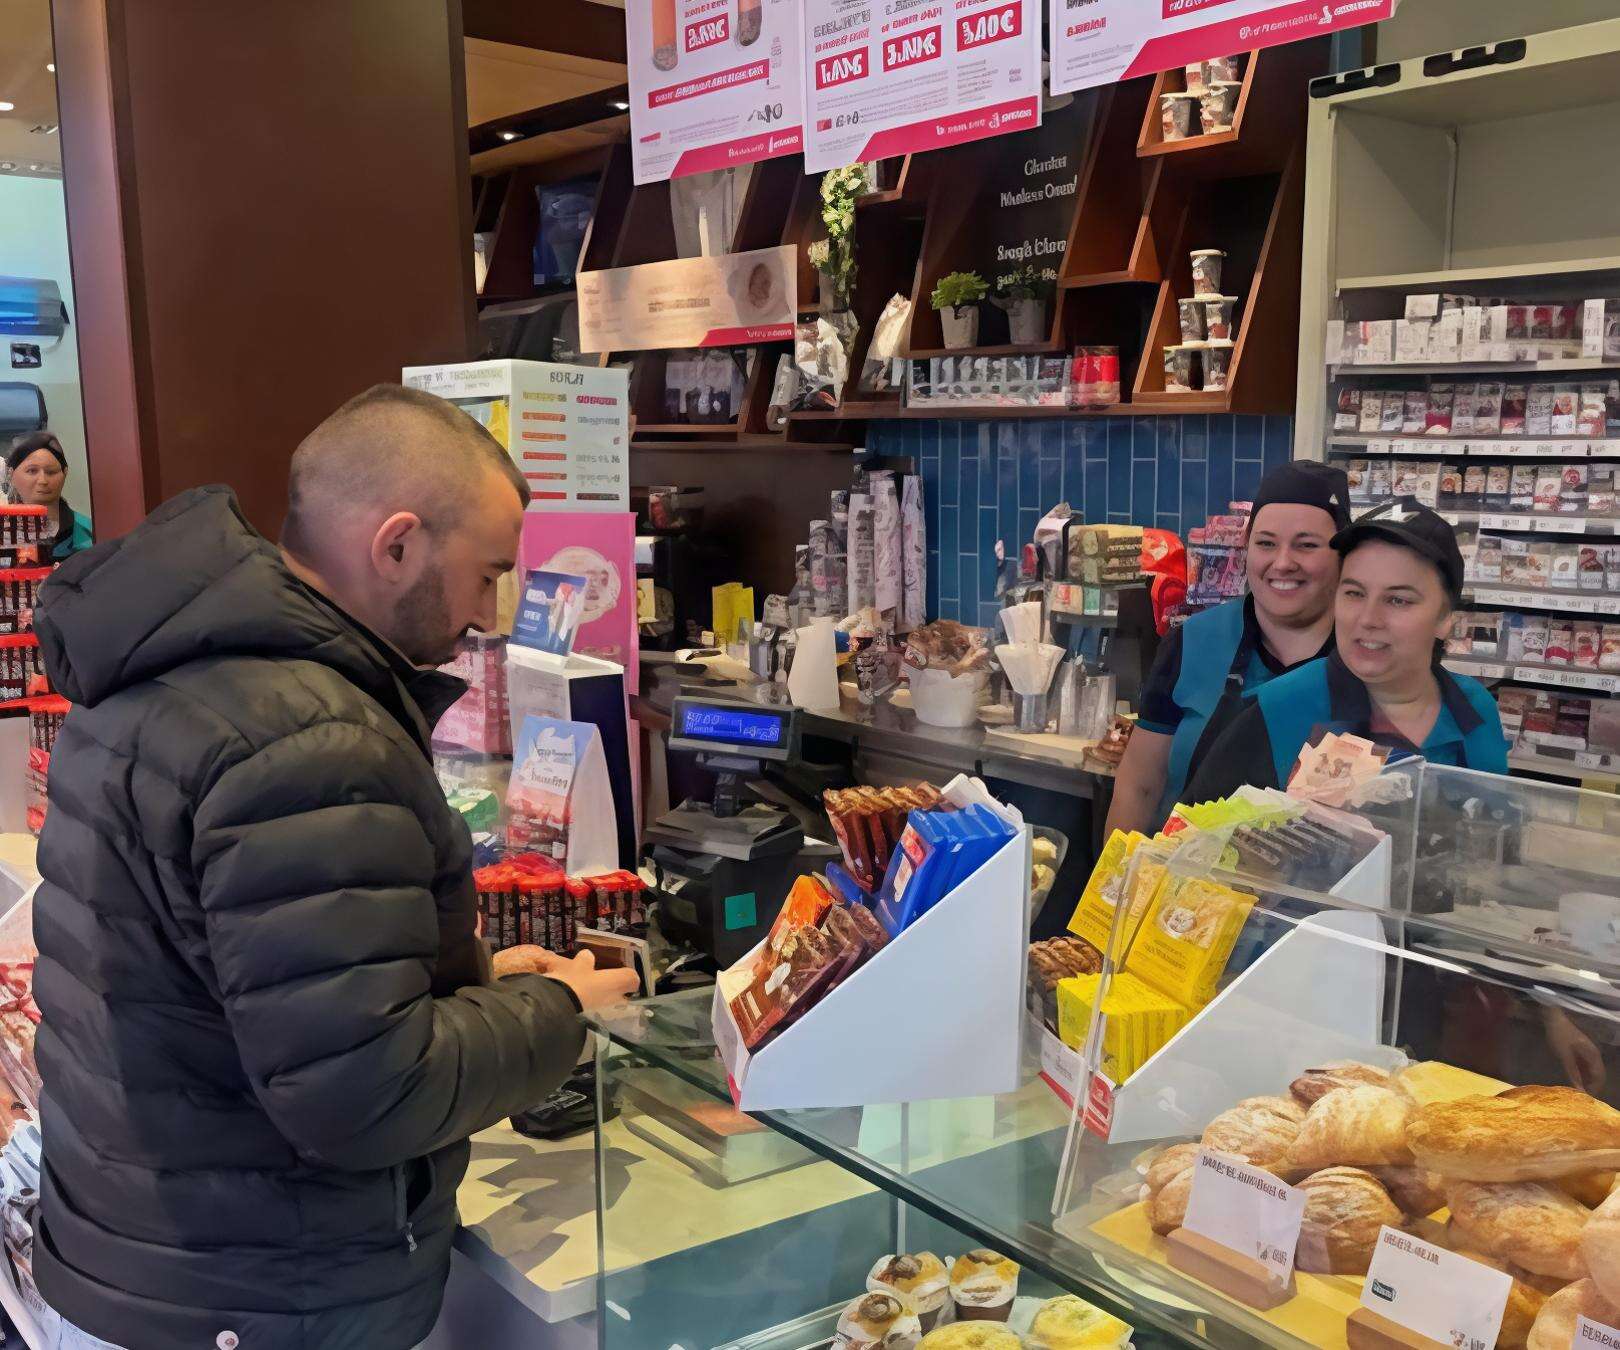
(955, 978)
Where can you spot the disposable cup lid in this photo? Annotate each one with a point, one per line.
(1209, 253)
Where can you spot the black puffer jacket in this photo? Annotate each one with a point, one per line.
(265, 1042)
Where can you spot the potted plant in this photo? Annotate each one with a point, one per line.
(956, 296)
(1023, 294)
(834, 256)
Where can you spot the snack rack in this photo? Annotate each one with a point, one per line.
(1443, 200)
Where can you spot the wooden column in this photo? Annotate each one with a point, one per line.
(268, 211)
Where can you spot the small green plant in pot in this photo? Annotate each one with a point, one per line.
(956, 297)
(1023, 293)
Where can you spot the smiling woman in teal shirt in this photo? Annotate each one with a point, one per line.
(1401, 578)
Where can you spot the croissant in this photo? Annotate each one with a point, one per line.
(1353, 1127)
(1259, 1129)
(1314, 1084)
(1523, 1134)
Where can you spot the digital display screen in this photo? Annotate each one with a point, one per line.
(734, 726)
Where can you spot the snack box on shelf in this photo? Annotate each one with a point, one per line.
(971, 946)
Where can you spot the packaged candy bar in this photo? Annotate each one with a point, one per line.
(1572, 489)
(1488, 560)
(1498, 486)
(1539, 563)
(1462, 410)
(1414, 413)
(1593, 415)
(1392, 413)
(1426, 487)
(1347, 415)
(1515, 562)
(806, 965)
(1451, 487)
(1187, 938)
(1372, 411)
(1549, 487)
(1560, 642)
(1593, 574)
(1473, 488)
(1565, 574)
(1588, 646)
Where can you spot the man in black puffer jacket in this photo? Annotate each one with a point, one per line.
(269, 1027)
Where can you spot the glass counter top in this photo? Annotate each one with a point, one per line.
(987, 1167)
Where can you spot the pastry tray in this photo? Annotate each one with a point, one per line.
(819, 1329)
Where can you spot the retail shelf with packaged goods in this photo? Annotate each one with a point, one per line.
(1559, 677)
(1554, 366)
(1585, 766)
(1405, 282)
(1473, 447)
(1556, 602)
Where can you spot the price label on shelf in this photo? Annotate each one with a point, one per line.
(1608, 604)
(1568, 679)
(1480, 670)
(1246, 1210)
(1436, 1293)
(1499, 522)
(1587, 759)
(1559, 524)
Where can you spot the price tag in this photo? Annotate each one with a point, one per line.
(1608, 605)
(1060, 1066)
(1246, 1210)
(1483, 670)
(1587, 759)
(1436, 1293)
(1559, 524)
(1588, 1332)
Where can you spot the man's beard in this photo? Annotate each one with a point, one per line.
(419, 620)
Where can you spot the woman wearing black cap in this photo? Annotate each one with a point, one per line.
(38, 469)
(1208, 669)
(1401, 578)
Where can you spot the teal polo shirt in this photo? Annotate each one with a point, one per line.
(1299, 708)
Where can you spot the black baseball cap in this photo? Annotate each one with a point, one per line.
(1306, 482)
(1406, 522)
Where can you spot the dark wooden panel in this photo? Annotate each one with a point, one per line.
(291, 183)
(576, 27)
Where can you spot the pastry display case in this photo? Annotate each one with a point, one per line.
(1429, 1057)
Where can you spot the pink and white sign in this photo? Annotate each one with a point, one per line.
(713, 84)
(890, 77)
(1101, 41)
(601, 547)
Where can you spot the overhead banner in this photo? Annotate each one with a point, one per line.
(892, 77)
(713, 84)
(728, 300)
(1101, 41)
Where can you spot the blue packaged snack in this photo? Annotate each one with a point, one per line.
(918, 869)
(844, 887)
(983, 833)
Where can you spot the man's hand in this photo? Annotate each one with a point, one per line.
(528, 960)
(1577, 1055)
(594, 988)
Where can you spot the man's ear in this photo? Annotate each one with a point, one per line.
(391, 545)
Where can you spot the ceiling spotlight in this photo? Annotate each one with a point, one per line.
(622, 107)
(509, 135)
(51, 66)
(6, 166)
(7, 107)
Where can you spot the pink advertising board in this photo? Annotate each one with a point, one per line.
(600, 546)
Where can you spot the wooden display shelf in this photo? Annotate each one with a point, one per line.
(1047, 348)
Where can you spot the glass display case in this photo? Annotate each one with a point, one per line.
(1473, 949)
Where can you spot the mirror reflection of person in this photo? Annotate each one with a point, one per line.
(1401, 576)
(37, 469)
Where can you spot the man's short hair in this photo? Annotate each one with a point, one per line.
(393, 448)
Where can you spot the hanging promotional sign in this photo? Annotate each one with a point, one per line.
(891, 77)
(1102, 41)
(713, 84)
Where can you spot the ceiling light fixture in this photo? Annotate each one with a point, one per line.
(509, 135)
(51, 66)
(7, 107)
(622, 107)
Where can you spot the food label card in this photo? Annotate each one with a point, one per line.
(1588, 1332)
(1435, 1293)
(1246, 1210)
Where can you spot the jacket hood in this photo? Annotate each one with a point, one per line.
(194, 580)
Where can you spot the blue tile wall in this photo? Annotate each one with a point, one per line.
(985, 481)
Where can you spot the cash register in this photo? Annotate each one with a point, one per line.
(726, 864)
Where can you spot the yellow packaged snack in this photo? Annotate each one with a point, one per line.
(1093, 917)
(1139, 1020)
(1187, 938)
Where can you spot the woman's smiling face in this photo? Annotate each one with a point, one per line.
(1291, 564)
(1392, 608)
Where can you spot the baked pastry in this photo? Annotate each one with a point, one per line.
(1600, 1247)
(1362, 1126)
(1070, 1323)
(1314, 1084)
(1523, 1134)
(1169, 1163)
(1554, 1327)
(1590, 1188)
(1525, 1298)
(1415, 1191)
(1259, 1129)
(1526, 1222)
(1167, 1207)
(983, 1285)
(971, 1336)
(877, 1322)
(1344, 1210)
(921, 1282)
